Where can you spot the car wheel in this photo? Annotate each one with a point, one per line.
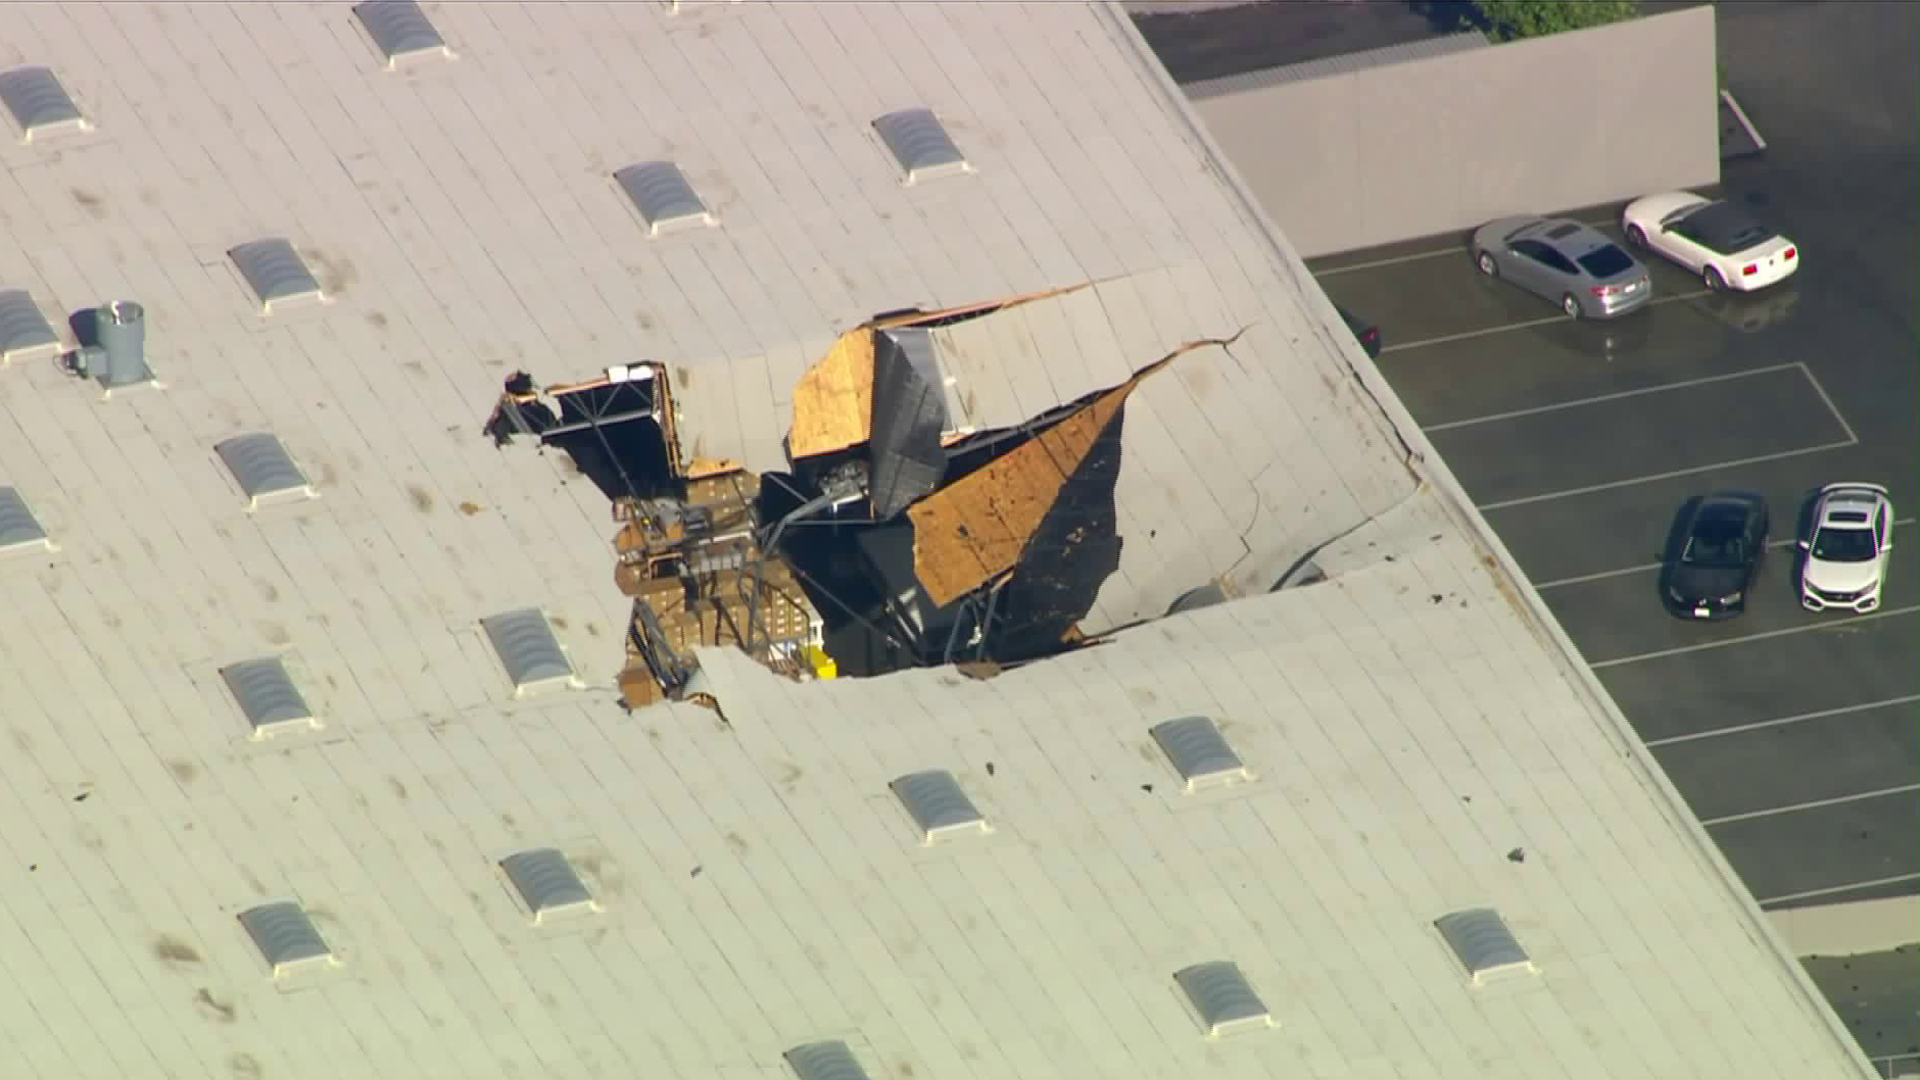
(1636, 237)
(1487, 265)
(1570, 305)
(1714, 281)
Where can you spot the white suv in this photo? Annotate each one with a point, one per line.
(1846, 558)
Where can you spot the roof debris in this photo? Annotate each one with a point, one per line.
(904, 535)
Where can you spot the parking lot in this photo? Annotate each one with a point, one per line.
(1791, 734)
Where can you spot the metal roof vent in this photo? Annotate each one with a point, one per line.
(287, 937)
(667, 203)
(921, 145)
(276, 273)
(19, 529)
(1222, 999)
(937, 805)
(263, 469)
(24, 332)
(121, 328)
(1198, 752)
(39, 104)
(826, 1061)
(527, 647)
(401, 31)
(547, 884)
(266, 694)
(1488, 950)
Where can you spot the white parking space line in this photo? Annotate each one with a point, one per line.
(1815, 804)
(1418, 255)
(1837, 624)
(1642, 568)
(1783, 721)
(1832, 889)
(1617, 396)
(1590, 489)
(1467, 335)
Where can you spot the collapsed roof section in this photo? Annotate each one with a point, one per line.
(687, 550)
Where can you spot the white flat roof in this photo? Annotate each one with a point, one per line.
(754, 884)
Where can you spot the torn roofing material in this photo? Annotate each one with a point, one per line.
(974, 530)
(906, 457)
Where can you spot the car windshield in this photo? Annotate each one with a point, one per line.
(1716, 541)
(1843, 545)
(1605, 262)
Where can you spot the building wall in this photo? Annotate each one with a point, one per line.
(1445, 143)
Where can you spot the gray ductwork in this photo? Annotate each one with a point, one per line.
(122, 330)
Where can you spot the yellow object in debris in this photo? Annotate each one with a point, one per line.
(824, 666)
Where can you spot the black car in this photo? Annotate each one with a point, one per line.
(1721, 545)
(1363, 331)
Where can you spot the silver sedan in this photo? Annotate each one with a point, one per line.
(1563, 261)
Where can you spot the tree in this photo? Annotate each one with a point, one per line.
(1509, 20)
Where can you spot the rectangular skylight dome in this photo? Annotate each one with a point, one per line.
(666, 201)
(19, 529)
(528, 650)
(287, 938)
(25, 333)
(920, 146)
(267, 697)
(829, 1060)
(1199, 753)
(547, 884)
(401, 31)
(937, 805)
(276, 273)
(263, 469)
(1222, 999)
(1485, 947)
(39, 104)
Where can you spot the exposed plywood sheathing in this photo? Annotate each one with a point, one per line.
(973, 530)
(833, 401)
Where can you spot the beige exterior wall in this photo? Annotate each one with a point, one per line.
(1445, 143)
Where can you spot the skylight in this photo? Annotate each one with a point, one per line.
(266, 695)
(1485, 947)
(401, 31)
(287, 938)
(263, 469)
(1222, 999)
(39, 104)
(547, 884)
(24, 332)
(276, 273)
(664, 198)
(920, 145)
(19, 529)
(1199, 753)
(528, 650)
(937, 805)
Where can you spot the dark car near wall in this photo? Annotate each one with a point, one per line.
(1722, 544)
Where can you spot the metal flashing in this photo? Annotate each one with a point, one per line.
(939, 808)
(39, 104)
(665, 200)
(1484, 945)
(25, 333)
(263, 469)
(1199, 753)
(287, 938)
(267, 696)
(401, 31)
(547, 884)
(531, 654)
(276, 273)
(1222, 999)
(920, 145)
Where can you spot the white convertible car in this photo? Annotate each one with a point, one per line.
(1846, 558)
(1711, 237)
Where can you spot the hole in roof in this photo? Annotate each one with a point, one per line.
(19, 529)
(1199, 753)
(39, 104)
(527, 648)
(664, 198)
(547, 884)
(1484, 945)
(829, 1060)
(1222, 998)
(937, 805)
(263, 469)
(401, 31)
(920, 145)
(276, 273)
(286, 937)
(25, 333)
(267, 696)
